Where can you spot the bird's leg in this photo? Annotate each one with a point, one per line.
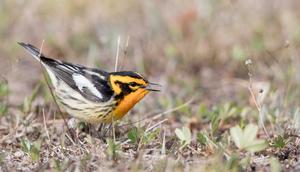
(102, 131)
(107, 129)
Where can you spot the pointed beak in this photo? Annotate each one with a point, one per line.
(153, 87)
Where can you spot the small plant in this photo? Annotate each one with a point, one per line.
(201, 139)
(150, 136)
(227, 111)
(184, 136)
(222, 113)
(133, 135)
(246, 139)
(279, 142)
(113, 149)
(33, 149)
(215, 121)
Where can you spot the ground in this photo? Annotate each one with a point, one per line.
(228, 70)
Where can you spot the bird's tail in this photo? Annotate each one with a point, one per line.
(35, 52)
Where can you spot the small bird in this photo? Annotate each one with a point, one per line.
(92, 95)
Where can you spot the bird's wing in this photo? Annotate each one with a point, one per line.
(90, 83)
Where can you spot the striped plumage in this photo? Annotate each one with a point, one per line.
(92, 95)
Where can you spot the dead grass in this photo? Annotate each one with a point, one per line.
(196, 50)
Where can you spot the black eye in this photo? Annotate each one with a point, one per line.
(133, 84)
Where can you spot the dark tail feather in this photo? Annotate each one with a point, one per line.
(35, 52)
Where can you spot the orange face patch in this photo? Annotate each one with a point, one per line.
(124, 79)
(128, 102)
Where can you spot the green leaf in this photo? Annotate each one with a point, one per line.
(179, 134)
(133, 135)
(187, 134)
(275, 165)
(237, 136)
(25, 145)
(184, 135)
(250, 132)
(35, 151)
(32, 149)
(201, 139)
(246, 139)
(279, 142)
(215, 122)
(256, 146)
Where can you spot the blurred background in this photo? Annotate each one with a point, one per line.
(193, 48)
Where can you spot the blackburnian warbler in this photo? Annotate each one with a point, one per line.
(93, 95)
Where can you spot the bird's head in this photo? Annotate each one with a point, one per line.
(127, 82)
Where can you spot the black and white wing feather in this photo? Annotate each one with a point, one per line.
(91, 83)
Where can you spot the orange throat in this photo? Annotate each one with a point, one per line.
(128, 102)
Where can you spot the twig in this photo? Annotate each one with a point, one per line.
(163, 147)
(41, 48)
(155, 125)
(70, 138)
(45, 125)
(173, 109)
(125, 52)
(257, 104)
(117, 55)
